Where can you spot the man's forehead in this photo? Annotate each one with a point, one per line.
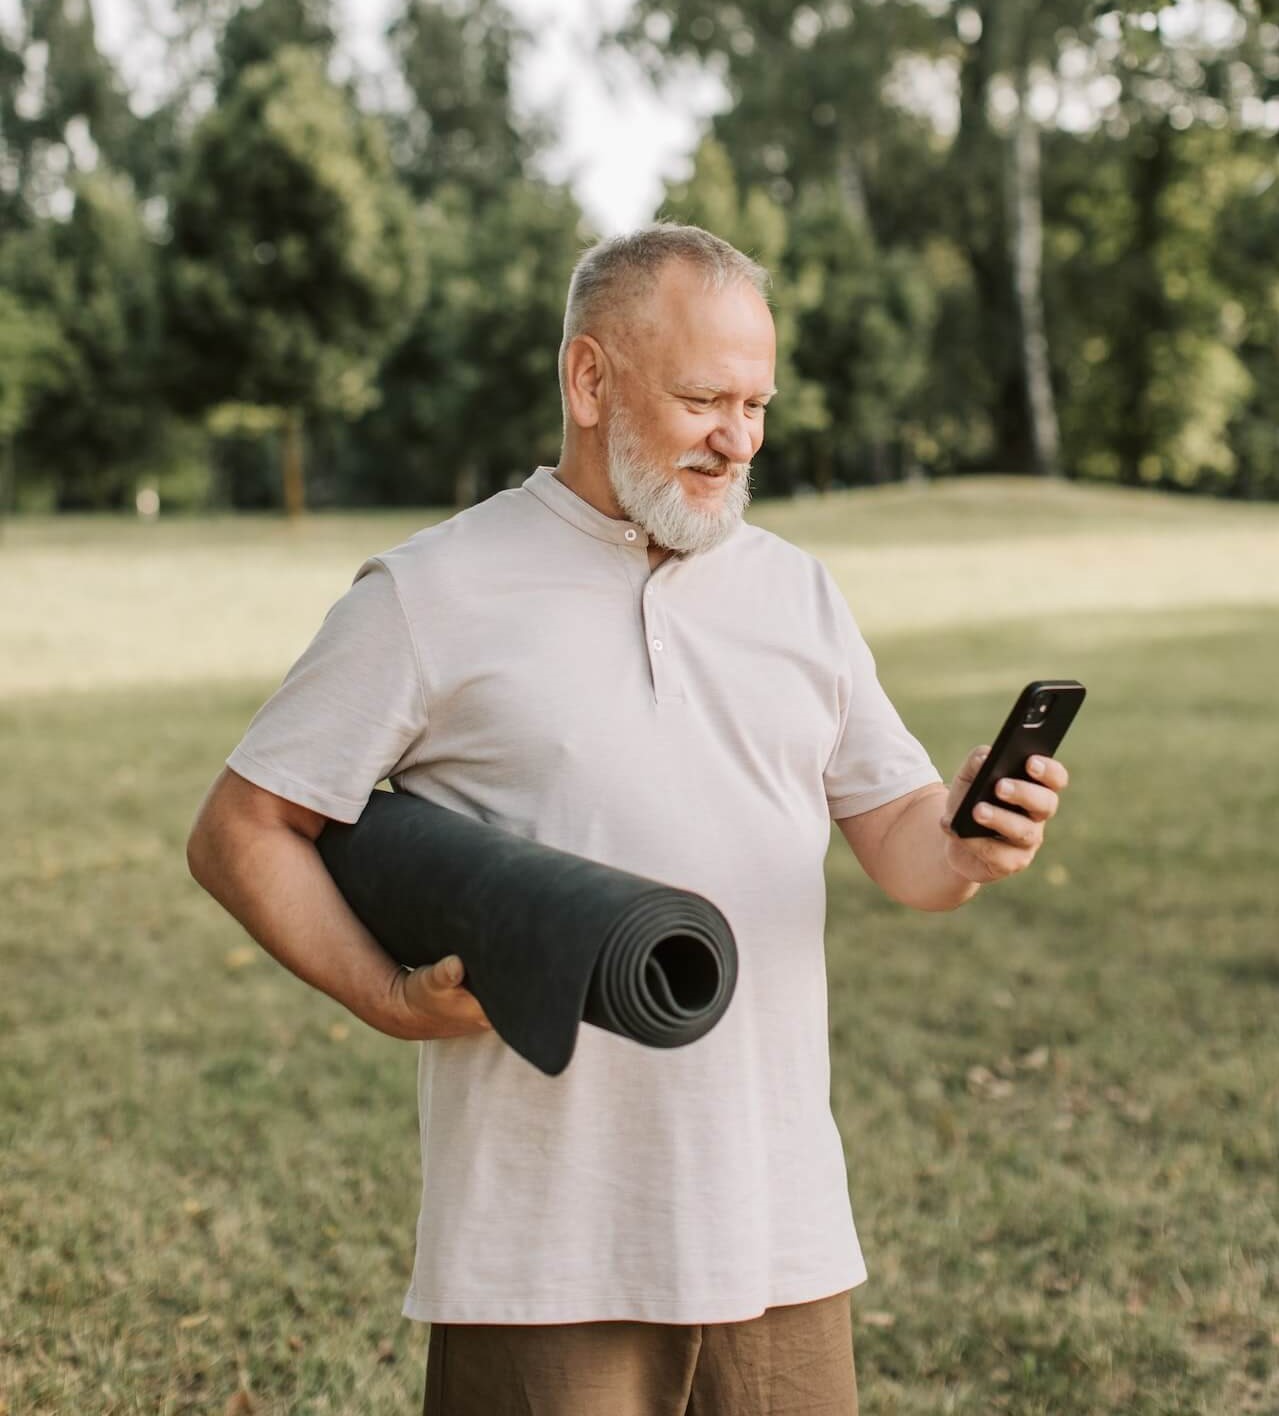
(709, 336)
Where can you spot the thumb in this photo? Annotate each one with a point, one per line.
(962, 781)
(447, 973)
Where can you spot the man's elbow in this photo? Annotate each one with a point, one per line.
(201, 851)
(206, 841)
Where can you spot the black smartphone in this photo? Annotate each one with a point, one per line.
(1035, 727)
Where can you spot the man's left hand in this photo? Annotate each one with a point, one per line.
(986, 858)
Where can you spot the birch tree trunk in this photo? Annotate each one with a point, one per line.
(1026, 229)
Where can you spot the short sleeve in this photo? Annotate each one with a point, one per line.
(875, 759)
(351, 710)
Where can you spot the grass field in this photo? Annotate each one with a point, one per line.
(1060, 1104)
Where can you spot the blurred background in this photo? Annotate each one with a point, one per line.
(303, 252)
(280, 284)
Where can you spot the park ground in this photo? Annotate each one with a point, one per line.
(1060, 1104)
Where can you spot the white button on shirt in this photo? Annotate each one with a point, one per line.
(631, 533)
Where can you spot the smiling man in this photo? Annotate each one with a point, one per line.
(608, 659)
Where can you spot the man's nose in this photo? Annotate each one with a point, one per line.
(733, 438)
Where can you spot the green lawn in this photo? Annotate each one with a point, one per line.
(1059, 1104)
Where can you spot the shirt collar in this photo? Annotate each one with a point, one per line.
(551, 492)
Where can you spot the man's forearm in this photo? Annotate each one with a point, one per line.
(913, 865)
(275, 884)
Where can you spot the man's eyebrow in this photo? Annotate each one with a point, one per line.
(717, 390)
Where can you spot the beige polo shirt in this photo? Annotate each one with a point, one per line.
(700, 724)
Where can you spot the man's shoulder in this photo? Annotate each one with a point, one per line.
(757, 551)
(463, 542)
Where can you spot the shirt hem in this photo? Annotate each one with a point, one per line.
(860, 802)
(623, 1307)
(282, 785)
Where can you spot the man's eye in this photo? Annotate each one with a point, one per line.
(700, 402)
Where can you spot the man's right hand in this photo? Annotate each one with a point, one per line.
(435, 1001)
(255, 853)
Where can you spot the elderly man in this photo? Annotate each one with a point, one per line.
(609, 660)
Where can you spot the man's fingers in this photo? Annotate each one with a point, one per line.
(447, 972)
(1040, 802)
(1050, 772)
(1016, 830)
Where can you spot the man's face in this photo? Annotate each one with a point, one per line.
(689, 413)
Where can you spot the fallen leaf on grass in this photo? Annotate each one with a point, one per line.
(386, 1350)
(983, 1082)
(339, 1032)
(240, 1404)
(193, 1320)
(240, 958)
(877, 1319)
(193, 1207)
(295, 1342)
(1057, 875)
(1036, 1059)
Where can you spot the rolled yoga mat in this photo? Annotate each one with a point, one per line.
(548, 939)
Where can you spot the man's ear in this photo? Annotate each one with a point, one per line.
(585, 373)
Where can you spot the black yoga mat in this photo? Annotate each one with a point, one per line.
(548, 939)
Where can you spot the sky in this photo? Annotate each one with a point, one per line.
(617, 139)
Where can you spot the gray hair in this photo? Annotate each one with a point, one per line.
(617, 270)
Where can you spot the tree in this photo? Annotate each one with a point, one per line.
(455, 59)
(31, 354)
(471, 394)
(864, 325)
(94, 414)
(294, 263)
(62, 106)
(255, 34)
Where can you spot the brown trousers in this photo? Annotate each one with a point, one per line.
(791, 1361)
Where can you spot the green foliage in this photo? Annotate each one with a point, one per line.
(864, 328)
(455, 58)
(873, 156)
(97, 410)
(294, 262)
(255, 34)
(31, 351)
(77, 89)
(471, 394)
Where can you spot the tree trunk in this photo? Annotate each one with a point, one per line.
(293, 471)
(980, 229)
(1026, 231)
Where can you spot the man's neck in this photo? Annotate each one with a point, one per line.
(588, 479)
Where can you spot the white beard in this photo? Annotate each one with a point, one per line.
(655, 499)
